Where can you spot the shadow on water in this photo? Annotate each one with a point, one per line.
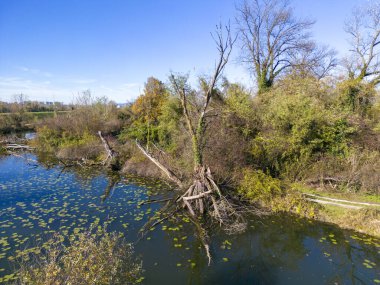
(36, 202)
(275, 250)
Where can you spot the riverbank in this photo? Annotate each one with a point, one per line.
(355, 211)
(348, 214)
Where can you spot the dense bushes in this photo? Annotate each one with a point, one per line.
(14, 122)
(259, 187)
(308, 131)
(356, 96)
(301, 129)
(299, 122)
(74, 135)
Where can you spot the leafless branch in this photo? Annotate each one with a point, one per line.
(363, 28)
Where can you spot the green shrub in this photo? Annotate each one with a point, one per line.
(73, 135)
(294, 202)
(272, 193)
(94, 258)
(68, 145)
(300, 122)
(14, 122)
(240, 111)
(48, 138)
(256, 186)
(356, 95)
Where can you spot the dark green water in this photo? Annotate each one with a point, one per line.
(36, 201)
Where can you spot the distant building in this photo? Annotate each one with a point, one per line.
(121, 105)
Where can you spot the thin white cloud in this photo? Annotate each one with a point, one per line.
(130, 85)
(46, 90)
(34, 71)
(41, 91)
(125, 92)
(83, 81)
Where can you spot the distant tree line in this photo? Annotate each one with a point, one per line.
(20, 103)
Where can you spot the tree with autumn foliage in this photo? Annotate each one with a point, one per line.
(147, 109)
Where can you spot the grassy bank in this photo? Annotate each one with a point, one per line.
(365, 220)
(357, 211)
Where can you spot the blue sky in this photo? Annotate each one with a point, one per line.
(51, 50)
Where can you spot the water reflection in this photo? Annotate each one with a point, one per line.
(113, 179)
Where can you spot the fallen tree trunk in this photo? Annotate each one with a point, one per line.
(18, 147)
(334, 203)
(341, 200)
(111, 154)
(170, 174)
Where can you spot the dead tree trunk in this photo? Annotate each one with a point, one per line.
(203, 197)
(204, 194)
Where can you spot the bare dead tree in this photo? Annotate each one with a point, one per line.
(274, 41)
(182, 90)
(363, 28)
(203, 196)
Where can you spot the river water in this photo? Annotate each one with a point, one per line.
(39, 199)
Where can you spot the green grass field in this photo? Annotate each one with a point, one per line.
(39, 115)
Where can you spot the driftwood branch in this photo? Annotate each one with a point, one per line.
(191, 211)
(197, 196)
